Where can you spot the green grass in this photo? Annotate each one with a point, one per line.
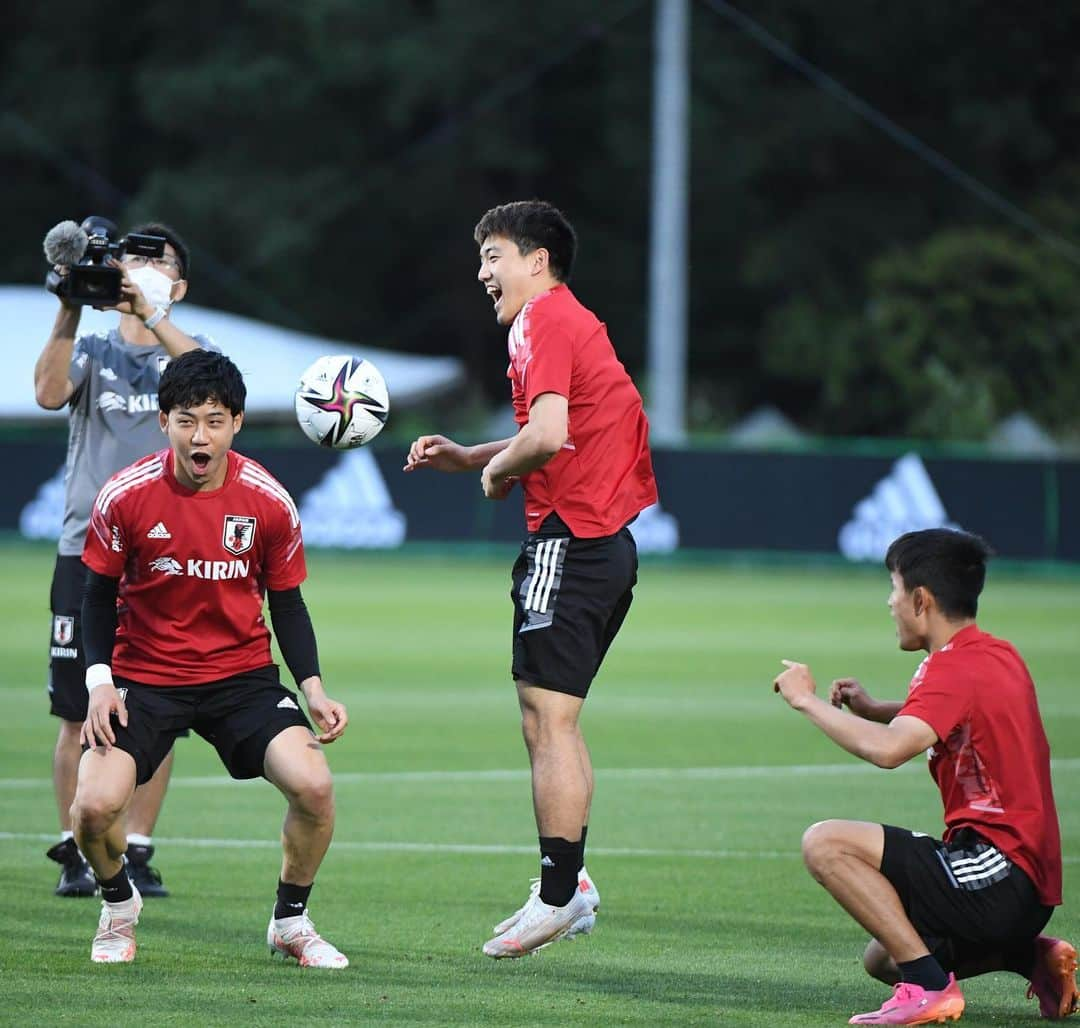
(705, 782)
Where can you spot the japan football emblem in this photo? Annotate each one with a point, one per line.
(239, 534)
(63, 629)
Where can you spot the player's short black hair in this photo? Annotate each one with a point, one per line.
(201, 376)
(531, 224)
(948, 563)
(159, 228)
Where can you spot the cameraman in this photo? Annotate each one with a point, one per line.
(109, 382)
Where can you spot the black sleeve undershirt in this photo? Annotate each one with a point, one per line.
(99, 618)
(295, 635)
(288, 613)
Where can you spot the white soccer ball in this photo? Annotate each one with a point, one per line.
(341, 402)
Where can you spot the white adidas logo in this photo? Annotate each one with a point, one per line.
(159, 531)
(547, 862)
(905, 500)
(288, 703)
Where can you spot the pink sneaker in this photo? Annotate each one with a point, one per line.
(912, 1004)
(1054, 978)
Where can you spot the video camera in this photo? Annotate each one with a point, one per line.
(85, 251)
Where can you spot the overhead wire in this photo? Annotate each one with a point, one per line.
(756, 31)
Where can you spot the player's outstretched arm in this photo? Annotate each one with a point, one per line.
(884, 745)
(847, 692)
(443, 454)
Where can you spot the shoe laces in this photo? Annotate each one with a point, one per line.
(115, 924)
(304, 928)
(907, 992)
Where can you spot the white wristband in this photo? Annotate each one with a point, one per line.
(151, 322)
(98, 674)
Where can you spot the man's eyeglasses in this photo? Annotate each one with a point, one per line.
(138, 260)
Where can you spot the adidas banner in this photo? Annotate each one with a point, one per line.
(824, 503)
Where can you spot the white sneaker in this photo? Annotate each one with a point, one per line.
(539, 926)
(582, 926)
(114, 941)
(296, 937)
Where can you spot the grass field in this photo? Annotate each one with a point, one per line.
(705, 782)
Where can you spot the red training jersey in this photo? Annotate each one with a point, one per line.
(603, 476)
(992, 760)
(193, 568)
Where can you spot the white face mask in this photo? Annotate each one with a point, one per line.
(156, 286)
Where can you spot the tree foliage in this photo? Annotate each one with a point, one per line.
(328, 160)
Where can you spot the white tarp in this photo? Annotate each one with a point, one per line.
(270, 358)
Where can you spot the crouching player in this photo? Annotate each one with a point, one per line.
(943, 910)
(190, 538)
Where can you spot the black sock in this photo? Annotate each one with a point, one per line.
(558, 870)
(581, 847)
(291, 899)
(116, 889)
(925, 971)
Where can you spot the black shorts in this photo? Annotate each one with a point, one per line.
(238, 716)
(67, 666)
(68, 698)
(570, 598)
(964, 897)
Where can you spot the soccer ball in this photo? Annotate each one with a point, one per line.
(341, 402)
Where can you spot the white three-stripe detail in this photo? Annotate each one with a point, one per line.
(538, 566)
(985, 865)
(127, 480)
(262, 481)
(553, 568)
(544, 571)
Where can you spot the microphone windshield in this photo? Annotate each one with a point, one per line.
(65, 244)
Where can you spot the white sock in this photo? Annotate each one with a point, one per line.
(135, 839)
(66, 834)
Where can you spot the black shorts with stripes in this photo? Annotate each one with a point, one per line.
(964, 897)
(570, 597)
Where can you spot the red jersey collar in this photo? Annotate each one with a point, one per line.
(966, 635)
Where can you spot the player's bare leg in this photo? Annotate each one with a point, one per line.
(146, 803)
(845, 857)
(561, 770)
(141, 818)
(104, 790)
(66, 759)
(76, 878)
(586, 767)
(295, 763)
(562, 783)
(105, 786)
